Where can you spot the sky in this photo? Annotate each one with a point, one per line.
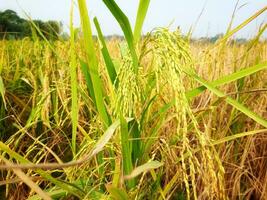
(162, 13)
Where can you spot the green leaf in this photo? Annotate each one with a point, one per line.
(229, 100)
(227, 79)
(240, 26)
(141, 14)
(126, 28)
(56, 194)
(88, 80)
(74, 83)
(92, 62)
(2, 90)
(117, 193)
(238, 135)
(108, 61)
(106, 136)
(126, 151)
(135, 134)
(143, 168)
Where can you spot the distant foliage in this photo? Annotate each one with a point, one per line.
(217, 37)
(14, 27)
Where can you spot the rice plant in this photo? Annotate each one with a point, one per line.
(150, 117)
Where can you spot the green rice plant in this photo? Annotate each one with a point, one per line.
(92, 62)
(231, 101)
(2, 91)
(108, 61)
(126, 151)
(152, 117)
(140, 18)
(74, 82)
(242, 25)
(228, 79)
(126, 28)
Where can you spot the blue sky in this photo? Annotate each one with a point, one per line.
(183, 13)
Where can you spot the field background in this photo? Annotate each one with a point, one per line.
(154, 117)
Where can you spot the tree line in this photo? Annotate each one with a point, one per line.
(14, 27)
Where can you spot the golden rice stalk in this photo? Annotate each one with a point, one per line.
(128, 96)
(171, 57)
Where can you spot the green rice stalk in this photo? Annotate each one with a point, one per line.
(140, 18)
(228, 79)
(126, 151)
(231, 101)
(240, 26)
(126, 28)
(93, 62)
(74, 82)
(108, 61)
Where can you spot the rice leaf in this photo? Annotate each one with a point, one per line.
(240, 26)
(229, 100)
(117, 193)
(55, 194)
(143, 168)
(28, 181)
(238, 135)
(126, 151)
(140, 18)
(228, 79)
(106, 137)
(108, 61)
(74, 82)
(92, 62)
(2, 91)
(135, 134)
(88, 80)
(126, 28)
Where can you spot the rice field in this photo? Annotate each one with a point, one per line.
(151, 117)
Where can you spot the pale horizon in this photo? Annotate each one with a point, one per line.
(214, 19)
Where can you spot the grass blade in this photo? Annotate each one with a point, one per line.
(106, 136)
(242, 25)
(143, 168)
(227, 79)
(74, 93)
(126, 28)
(141, 14)
(92, 62)
(108, 61)
(126, 151)
(2, 90)
(135, 134)
(231, 101)
(117, 193)
(239, 135)
(88, 80)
